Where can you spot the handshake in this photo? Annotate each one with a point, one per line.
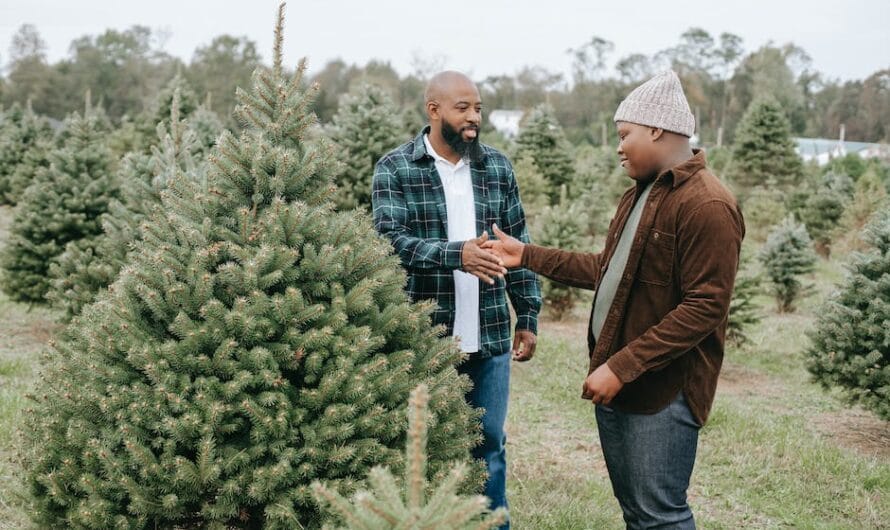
(488, 259)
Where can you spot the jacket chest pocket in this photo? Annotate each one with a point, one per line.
(657, 261)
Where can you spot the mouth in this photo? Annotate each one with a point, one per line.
(623, 162)
(470, 133)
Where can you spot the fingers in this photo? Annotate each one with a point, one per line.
(483, 238)
(490, 257)
(498, 232)
(531, 347)
(482, 276)
(524, 343)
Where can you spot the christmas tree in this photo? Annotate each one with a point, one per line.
(763, 150)
(823, 208)
(763, 207)
(62, 205)
(851, 341)
(597, 186)
(869, 196)
(787, 254)
(367, 126)
(743, 312)
(255, 342)
(91, 264)
(138, 133)
(391, 505)
(533, 187)
(562, 226)
(542, 137)
(25, 142)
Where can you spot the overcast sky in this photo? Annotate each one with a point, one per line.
(847, 39)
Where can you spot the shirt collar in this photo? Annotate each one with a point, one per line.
(690, 167)
(684, 170)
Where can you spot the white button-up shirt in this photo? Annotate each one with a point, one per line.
(461, 210)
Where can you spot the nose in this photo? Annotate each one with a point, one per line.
(474, 116)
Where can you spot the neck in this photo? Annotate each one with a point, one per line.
(676, 157)
(441, 146)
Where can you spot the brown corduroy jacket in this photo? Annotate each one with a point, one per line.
(666, 328)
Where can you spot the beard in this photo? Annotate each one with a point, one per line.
(469, 151)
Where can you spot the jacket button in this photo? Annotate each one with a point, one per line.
(655, 235)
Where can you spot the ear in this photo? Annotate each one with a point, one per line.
(432, 110)
(655, 133)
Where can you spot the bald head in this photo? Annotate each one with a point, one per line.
(446, 84)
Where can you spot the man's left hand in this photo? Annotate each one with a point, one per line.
(524, 343)
(601, 385)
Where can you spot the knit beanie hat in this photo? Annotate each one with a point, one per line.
(659, 102)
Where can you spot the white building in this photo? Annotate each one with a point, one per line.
(506, 122)
(823, 150)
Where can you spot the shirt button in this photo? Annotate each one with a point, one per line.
(655, 235)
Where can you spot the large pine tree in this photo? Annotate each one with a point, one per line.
(542, 138)
(256, 341)
(368, 124)
(763, 151)
(62, 205)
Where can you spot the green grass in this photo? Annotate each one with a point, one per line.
(778, 451)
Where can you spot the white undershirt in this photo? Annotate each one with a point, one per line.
(461, 209)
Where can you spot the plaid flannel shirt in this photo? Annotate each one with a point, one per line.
(409, 208)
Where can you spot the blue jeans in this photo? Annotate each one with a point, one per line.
(650, 459)
(491, 389)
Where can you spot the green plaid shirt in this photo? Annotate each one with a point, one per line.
(409, 208)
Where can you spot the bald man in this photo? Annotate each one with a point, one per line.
(436, 199)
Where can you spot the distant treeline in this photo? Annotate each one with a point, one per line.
(126, 69)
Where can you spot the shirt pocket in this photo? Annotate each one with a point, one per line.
(657, 261)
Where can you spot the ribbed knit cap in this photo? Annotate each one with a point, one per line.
(659, 102)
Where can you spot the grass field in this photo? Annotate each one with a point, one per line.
(778, 451)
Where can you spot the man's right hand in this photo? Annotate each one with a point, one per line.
(481, 263)
(506, 247)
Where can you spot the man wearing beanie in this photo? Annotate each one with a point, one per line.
(663, 285)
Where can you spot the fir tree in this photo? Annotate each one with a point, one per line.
(597, 186)
(138, 133)
(533, 188)
(764, 207)
(206, 125)
(256, 341)
(367, 126)
(543, 138)
(823, 208)
(91, 264)
(851, 341)
(563, 226)
(392, 505)
(869, 196)
(743, 312)
(62, 205)
(25, 142)
(787, 254)
(763, 150)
